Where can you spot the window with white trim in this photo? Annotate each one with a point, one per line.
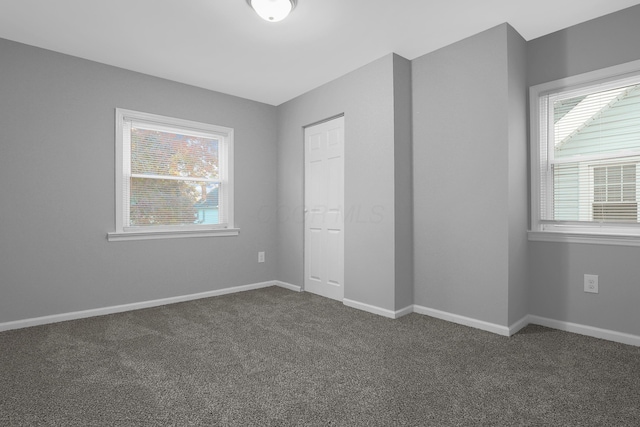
(174, 177)
(585, 152)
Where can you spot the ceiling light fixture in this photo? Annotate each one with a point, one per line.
(273, 10)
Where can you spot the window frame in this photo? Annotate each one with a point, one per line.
(572, 231)
(224, 135)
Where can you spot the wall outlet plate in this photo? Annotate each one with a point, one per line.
(260, 256)
(591, 283)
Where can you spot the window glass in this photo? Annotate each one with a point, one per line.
(191, 163)
(172, 174)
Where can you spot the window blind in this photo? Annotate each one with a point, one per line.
(590, 152)
(172, 175)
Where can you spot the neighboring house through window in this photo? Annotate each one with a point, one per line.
(614, 193)
(208, 207)
(585, 154)
(174, 177)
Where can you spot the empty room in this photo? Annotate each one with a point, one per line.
(299, 212)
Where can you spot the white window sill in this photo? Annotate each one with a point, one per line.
(151, 235)
(589, 238)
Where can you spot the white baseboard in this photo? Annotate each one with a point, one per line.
(513, 329)
(377, 310)
(289, 286)
(605, 334)
(403, 312)
(591, 331)
(462, 320)
(25, 323)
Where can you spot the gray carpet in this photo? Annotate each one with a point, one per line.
(276, 357)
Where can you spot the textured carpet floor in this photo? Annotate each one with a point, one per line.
(276, 357)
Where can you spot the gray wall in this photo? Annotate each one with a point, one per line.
(518, 187)
(609, 40)
(557, 269)
(403, 181)
(365, 96)
(57, 194)
(465, 198)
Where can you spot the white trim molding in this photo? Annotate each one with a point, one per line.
(606, 334)
(36, 321)
(591, 331)
(377, 310)
(463, 320)
(404, 311)
(593, 238)
(513, 329)
(289, 286)
(151, 235)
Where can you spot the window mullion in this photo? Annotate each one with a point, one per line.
(175, 178)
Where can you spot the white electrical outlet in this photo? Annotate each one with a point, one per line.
(591, 283)
(260, 256)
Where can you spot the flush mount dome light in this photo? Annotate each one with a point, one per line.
(272, 10)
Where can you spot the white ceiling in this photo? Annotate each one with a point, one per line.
(224, 46)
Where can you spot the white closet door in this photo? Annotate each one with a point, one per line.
(324, 205)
